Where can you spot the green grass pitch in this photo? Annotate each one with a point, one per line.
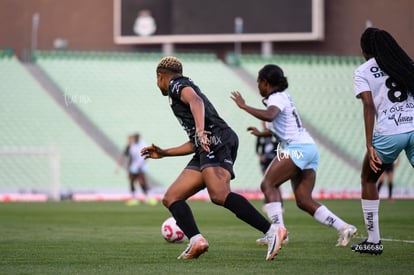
(111, 238)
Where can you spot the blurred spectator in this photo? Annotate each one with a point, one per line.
(266, 145)
(388, 175)
(145, 24)
(136, 166)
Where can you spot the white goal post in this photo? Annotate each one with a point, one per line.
(36, 169)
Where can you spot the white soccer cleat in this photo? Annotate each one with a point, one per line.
(346, 234)
(197, 246)
(275, 237)
(263, 241)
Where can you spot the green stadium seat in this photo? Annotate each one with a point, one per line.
(117, 91)
(31, 119)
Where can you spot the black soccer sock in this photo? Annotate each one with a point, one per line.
(390, 185)
(184, 217)
(144, 188)
(246, 212)
(379, 185)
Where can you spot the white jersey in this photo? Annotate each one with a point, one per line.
(394, 109)
(287, 125)
(137, 161)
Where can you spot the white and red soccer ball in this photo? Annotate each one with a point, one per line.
(171, 232)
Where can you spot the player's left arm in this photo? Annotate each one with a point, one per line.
(190, 97)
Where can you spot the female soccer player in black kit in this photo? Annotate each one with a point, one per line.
(214, 145)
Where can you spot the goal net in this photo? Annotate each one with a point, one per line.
(30, 171)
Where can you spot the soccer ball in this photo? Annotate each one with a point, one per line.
(171, 232)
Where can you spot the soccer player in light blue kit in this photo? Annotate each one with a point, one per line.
(385, 85)
(296, 159)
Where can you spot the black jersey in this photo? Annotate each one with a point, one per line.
(266, 146)
(181, 110)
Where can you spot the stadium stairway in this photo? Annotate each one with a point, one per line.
(31, 119)
(82, 120)
(71, 109)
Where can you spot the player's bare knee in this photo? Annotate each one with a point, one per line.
(218, 201)
(303, 204)
(265, 186)
(166, 201)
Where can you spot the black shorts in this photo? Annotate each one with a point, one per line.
(266, 164)
(389, 168)
(223, 152)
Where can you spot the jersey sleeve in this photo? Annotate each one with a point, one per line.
(360, 83)
(277, 100)
(176, 86)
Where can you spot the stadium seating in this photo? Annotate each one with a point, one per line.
(31, 119)
(118, 93)
(122, 98)
(124, 87)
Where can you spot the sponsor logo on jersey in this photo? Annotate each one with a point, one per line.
(211, 155)
(401, 119)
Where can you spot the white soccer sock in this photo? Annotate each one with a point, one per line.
(275, 213)
(196, 237)
(326, 217)
(370, 209)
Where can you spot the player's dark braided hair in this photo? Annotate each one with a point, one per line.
(274, 75)
(391, 58)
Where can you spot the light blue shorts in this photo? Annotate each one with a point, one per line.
(389, 147)
(303, 155)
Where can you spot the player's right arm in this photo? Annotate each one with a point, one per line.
(269, 114)
(369, 120)
(190, 97)
(156, 152)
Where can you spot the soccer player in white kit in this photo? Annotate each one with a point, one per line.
(296, 158)
(136, 166)
(385, 84)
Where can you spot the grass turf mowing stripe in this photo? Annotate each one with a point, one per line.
(111, 238)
